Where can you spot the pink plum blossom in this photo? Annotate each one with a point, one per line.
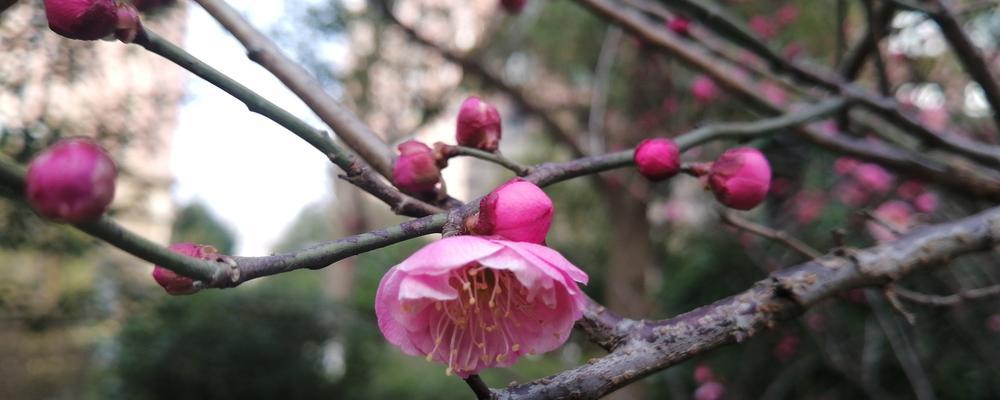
(71, 181)
(657, 159)
(416, 170)
(895, 213)
(478, 125)
(704, 89)
(176, 284)
(517, 210)
(740, 178)
(473, 303)
(786, 348)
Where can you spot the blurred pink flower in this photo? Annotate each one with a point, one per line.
(935, 117)
(763, 27)
(807, 206)
(786, 348)
(910, 189)
(894, 212)
(787, 14)
(740, 178)
(474, 303)
(517, 210)
(710, 391)
(993, 323)
(873, 178)
(926, 203)
(845, 165)
(849, 193)
(703, 374)
(773, 93)
(704, 89)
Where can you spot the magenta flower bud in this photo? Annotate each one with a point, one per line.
(517, 210)
(71, 181)
(82, 19)
(416, 170)
(704, 89)
(473, 303)
(176, 284)
(703, 374)
(478, 125)
(657, 159)
(513, 6)
(128, 25)
(680, 26)
(740, 178)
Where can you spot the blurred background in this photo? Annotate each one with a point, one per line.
(81, 320)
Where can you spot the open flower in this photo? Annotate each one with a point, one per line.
(474, 303)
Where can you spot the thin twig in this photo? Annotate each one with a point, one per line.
(449, 151)
(599, 93)
(902, 346)
(731, 219)
(263, 51)
(479, 387)
(948, 300)
(356, 171)
(968, 54)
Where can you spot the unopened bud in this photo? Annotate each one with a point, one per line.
(657, 159)
(517, 211)
(740, 178)
(176, 284)
(82, 19)
(416, 170)
(71, 181)
(478, 125)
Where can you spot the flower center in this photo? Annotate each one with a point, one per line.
(483, 323)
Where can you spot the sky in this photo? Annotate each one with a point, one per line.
(252, 173)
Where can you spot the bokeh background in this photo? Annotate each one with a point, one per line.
(80, 320)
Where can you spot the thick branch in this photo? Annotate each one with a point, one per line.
(783, 295)
(356, 172)
(344, 123)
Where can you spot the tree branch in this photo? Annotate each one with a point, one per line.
(727, 26)
(356, 171)
(731, 219)
(946, 301)
(968, 54)
(783, 295)
(344, 123)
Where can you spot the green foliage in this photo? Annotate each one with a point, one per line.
(262, 342)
